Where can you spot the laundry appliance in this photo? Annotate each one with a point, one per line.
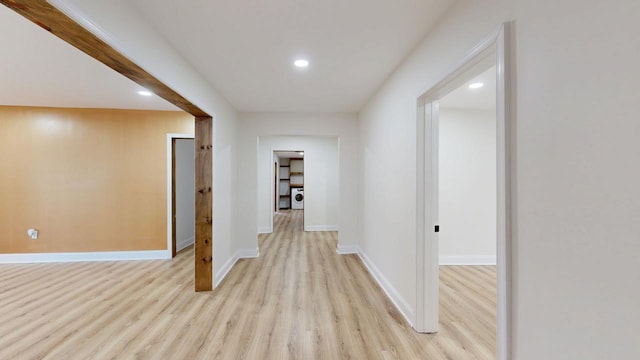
(297, 198)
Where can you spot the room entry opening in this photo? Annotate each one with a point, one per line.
(493, 51)
(181, 194)
(289, 180)
(466, 208)
(298, 183)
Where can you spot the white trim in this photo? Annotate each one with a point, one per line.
(182, 244)
(264, 230)
(468, 260)
(248, 253)
(224, 270)
(421, 213)
(505, 140)
(347, 249)
(170, 138)
(273, 186)
(240, 254)
(305, 200)
(321, 228)
(85, 256)
(497, 44)
(400, 303)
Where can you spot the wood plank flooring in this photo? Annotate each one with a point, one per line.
(299, 300)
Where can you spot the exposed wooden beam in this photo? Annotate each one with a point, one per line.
(204, 204)
(54, 21)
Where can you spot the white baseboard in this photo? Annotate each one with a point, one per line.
(240, 254)
(224, 270)
(248, 253)
(347, 249)
(321, 228)
(184, 243)
(85, 256)
(468, 260)
(403, 307)
(264, 230)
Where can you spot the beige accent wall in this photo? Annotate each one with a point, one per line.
(87, 179)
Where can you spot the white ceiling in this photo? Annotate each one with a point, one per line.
(38, 69)
(483, 98)
(246, 48)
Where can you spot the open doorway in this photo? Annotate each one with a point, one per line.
(492, 52)
(307, 178)
(467, 212)
(289, 178)
(467, 173)
(181, 192)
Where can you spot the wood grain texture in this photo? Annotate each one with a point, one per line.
(54, 21)
(204, 204)
(88, 179)
(298, 300)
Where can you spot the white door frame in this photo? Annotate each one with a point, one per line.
(170, 138)
(494, 49)
(273, 194)
(272, 191)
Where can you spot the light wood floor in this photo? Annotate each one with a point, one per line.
(299, 300)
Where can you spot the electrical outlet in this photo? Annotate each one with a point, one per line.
(33, 233)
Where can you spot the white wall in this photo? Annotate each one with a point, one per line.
(254, 125)
(321, 179)
(467, 186)
(185, 193)
(576, 251)
(121, 26)
(276, 160)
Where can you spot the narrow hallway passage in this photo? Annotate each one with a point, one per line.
(318, 304)
(298, 300)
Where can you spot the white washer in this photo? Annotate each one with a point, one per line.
(297, 198)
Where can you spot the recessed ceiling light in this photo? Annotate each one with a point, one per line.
(301, 63)
(145, 93)
(476, 85)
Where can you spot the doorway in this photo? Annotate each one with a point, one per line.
(310, 164)
(289, 181)
(490, 52)
(467, 173)
(181, 192)
(467, 212)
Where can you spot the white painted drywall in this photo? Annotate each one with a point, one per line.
(185, 193)
(576, 250)
(321, 178)
(121, 26)
(276, 161)
(467, 186)
(254, 125)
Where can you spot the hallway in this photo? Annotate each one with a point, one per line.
(343, 313)
(298, 300)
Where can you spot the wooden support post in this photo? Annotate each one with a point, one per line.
(204, 204)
